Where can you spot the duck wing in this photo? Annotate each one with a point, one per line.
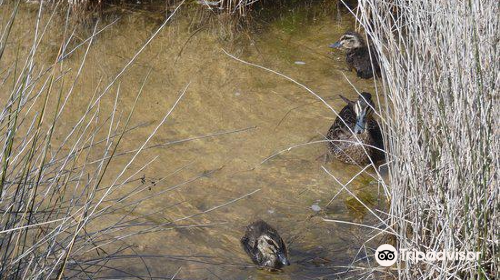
(339, 129)
(361, 60)
(250, 246)
(249, 240)
(378, 141)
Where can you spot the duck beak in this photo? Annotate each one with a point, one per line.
(283, 259)
(336, 45)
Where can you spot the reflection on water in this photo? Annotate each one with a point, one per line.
(248, 115)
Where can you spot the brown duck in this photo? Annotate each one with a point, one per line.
(264, 246)
(358, 55)
(357, 120)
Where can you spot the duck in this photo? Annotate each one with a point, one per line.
(264, 246)
(355, 121)
(358, 55)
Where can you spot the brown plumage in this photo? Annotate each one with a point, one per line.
(359, 55)
(358, 118)
(264, 246)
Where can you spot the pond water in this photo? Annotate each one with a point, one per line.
(249, 116)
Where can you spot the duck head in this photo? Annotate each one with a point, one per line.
(273, 251)
(350, 40)
(363, 110)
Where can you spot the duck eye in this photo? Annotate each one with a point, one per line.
(270, 242)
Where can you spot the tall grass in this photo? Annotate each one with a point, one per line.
(70, 190)
(238, 7)
(56, 196)
(440, 62)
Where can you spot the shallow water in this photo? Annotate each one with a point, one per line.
(257, 114)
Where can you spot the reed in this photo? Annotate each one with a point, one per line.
(57, 196)
(240, 7)
(236, 7)
(440, 113)
(69, 189)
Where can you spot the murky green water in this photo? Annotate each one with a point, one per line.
(264, 114)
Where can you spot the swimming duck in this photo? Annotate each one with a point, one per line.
(358, 54)
(264, 246)
(358, 116)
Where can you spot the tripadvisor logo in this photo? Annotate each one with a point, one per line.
(387, 255)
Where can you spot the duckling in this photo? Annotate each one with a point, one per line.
(264, 246)
(358, 55)
(358, 116)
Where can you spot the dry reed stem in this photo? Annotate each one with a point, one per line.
(52, 193)
(440, 82)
